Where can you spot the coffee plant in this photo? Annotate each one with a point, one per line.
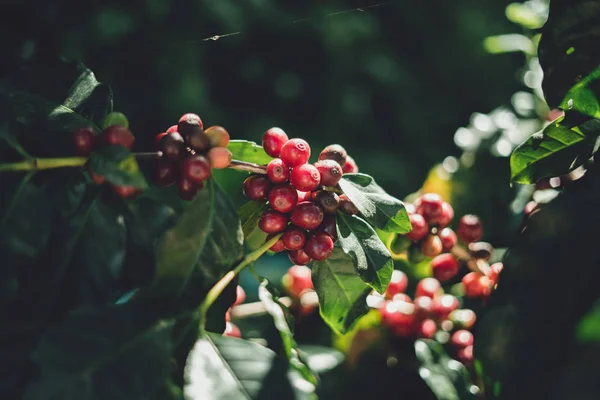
(121, 264)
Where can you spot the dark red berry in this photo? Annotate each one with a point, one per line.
(273, 222)
(278, 246)
(219, 157)
(476, 285)
(304, 196)
(444, 267)
(196, 168)
(256, 187)
(331, 172)
(423, 307)
(172, 146)
(283, 198)
(319, 246)
(305, 177)
(197, 141)
(470, 228)
(398, 284)
(85, 141)
(126, 191)
(299, 257)
(118, 135)
(398, 316)
(495, 270)
(328, 201)
(336, 153)
(217, 136)
(350, 167)
(448, 238)
(97, 179)
(431, 246)
(166, 173)
(295, 152)
(329, 227)
(159, 137)
(444, 305)
(461, 338)
(188, 189)
(347, 206)
(189, 123)
(419, 227)
(307, 215)
(297, 280)
(172, 128)
(428, 287)
(278, 171)
(446, 215)
(426, 329)
(273, 140)
(430, 206)
(294, 238)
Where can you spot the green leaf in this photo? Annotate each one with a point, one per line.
(244, 150)
(278, 311)
(250, 215)
(588, 329)
(582, 96)
(117, 352)
(376, 206)
(448, 379)
(118, 166)
(370, 257)
(223, 368)
(115, 118)
(342, 293)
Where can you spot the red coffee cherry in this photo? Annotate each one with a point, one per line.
(398, 317)
(419, 227)
(85, 141)
(350, 167)
(294, 238)
(256, 187)
(188, 189)
(328, 226)
(304, 196)
(444, 267)
(219, 157)
(295, 152)
(278, 171)
(167, 173)
(328, 201)
(307, 215)
(159, 137)
(495, 270)
(197, 141)
(448, 238)
(232, 330)
(172, 146)
(465, 355)
(240, 295)
(430, 206)
(297, 280)
(189, 123)
(97, 179)
(402, 297)
(431, 246)
(330, 171)
(283, 198)
(476, 285)
(278, 246)
(398, 284)
(319, 246)
(273, 140)
(118, 135)
(305, 177)
(444, 305)
(426, 329)
(423, 307)
(461, 339)
(217, 136)
(196, 168)
(470, 228)
(273, 222)
(428, 287)
(347, 206)
(463, 319)
(299, 257)
(446, 216)
(126, 191)
(172, 128)
(336, 153)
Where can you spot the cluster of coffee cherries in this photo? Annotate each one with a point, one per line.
(302, 198)
(189, 152)
(86, 140)
(230, 328)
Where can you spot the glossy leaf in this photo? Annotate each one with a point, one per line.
(588, 329)
(244, 150)
(118, 166)
(376, 206)
(583, 96)
(250, 215)
(220, 368)
(371, 258)
(342, 293)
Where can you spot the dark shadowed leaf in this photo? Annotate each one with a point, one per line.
(118, 166)
(244, 150)
(250, 215)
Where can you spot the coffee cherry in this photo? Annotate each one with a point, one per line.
(188, 189)
(429, 287)
(158, 138)
(426, 329)
(126, 191)
(328, 226)
(118, 135)
(172, 146)
(481, 250)
(294, 238)
(530, 208)
(446, 216)
(476, 285)
(423, 307)
(189, 123)
(444, 267)
(219, 157)
(419, 227)
(305, 177)
(328, 201)
(347, 206)
(278, 246)
(272, 222)
(430, 206)
(196, 168)
(336, 153)
(461, 339)
(398, 284)
(330, 171)
(444, 305)
(283, 198)
(465, 355)
(307, 215)
(297, 280)
(398, 317)
(495, 270)
(402, 297)
(304, 196)
(470, 228)
(166, 173)
(197, 141)
(97, 179)
(273, 140)
(463, 319)
(217, 136)
(256, 187)
(350, 167)
(278, 171)
(172, 128)
(240, 295)
(319, 246)
(299, 257)
(431, 246)
(448, 238)
(295, 152)
(85, 141)
(232, 330)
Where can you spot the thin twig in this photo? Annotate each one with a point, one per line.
(248, 167)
